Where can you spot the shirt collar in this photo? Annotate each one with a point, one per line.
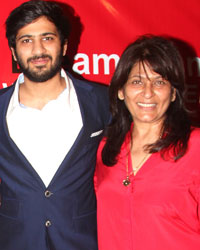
(14, 102)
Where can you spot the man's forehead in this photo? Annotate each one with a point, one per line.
(38, 27)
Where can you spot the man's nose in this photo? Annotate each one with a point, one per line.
(38, 47)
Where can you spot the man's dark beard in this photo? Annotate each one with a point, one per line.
(39, 76)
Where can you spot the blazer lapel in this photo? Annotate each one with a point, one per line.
(84, 93)
(5, 138)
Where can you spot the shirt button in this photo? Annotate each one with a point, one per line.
(48, 193)
(48, 223)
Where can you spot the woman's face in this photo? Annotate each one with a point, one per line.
(146, 94)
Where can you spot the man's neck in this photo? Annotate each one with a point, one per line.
(38, 94)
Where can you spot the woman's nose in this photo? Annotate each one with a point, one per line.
(148, 90)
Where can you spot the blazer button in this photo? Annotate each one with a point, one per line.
(48, 193)
(48, 223)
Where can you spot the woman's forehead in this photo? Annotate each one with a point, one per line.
(143, 69)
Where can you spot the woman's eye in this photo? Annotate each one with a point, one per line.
(136, 82)
(159, 83)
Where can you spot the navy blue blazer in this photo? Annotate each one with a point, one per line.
(63, 215)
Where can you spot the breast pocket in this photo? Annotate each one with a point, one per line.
(94, 138)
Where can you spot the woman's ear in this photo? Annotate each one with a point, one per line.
(173, 98)
(120, 94)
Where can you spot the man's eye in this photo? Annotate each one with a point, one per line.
(48, 38)
(26, 41)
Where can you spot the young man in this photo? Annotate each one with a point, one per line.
(50, 128)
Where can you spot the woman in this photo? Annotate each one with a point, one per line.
(148, 173)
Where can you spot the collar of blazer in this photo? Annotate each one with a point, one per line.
(87, 98)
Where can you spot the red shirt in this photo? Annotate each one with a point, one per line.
(159, 210)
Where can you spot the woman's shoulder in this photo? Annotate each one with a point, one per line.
(195, 132)
(100, 147)
(102, 142)
(194, 136)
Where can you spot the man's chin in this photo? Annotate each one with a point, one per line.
(40, 76)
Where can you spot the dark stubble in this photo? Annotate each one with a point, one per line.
(41, 75)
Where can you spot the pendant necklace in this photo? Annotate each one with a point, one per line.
(127, 181)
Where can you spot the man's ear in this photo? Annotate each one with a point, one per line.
(65, 48)
(13, 54)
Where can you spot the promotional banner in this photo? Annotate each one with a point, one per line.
(101, 29)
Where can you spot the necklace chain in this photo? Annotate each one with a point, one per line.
(127, 181)
(140, 163)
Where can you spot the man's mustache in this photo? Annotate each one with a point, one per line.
(39, 57)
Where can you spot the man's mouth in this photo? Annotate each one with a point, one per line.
(39, 59)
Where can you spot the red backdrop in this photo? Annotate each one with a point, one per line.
(110, 25)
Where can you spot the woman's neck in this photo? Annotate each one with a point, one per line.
(144, 134)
